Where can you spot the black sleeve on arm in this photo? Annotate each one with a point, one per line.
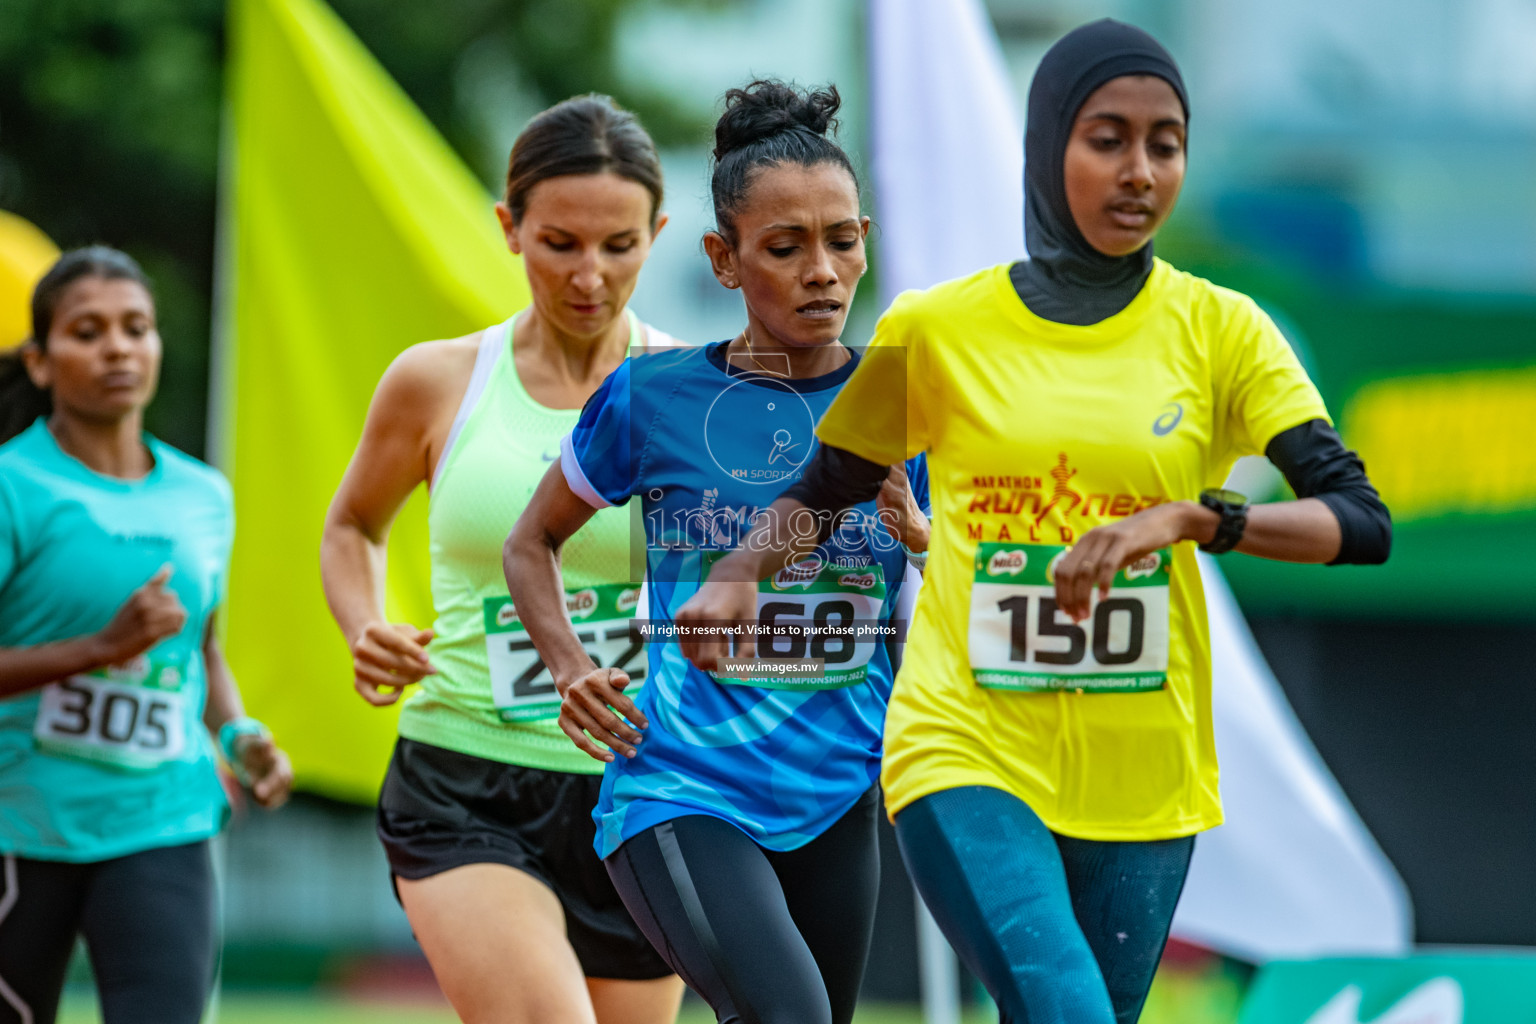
(836, 479)
(1317, 465)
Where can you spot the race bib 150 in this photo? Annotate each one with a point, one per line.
(1021, 640)
(131, 716)
(521, 687)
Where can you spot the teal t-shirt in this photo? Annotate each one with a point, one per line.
(118, 761)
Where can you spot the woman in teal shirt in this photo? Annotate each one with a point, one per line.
(113, 552)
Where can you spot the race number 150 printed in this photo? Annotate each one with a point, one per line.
(1021, 640)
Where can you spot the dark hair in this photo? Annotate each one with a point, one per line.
(21, 401)
(582, 135)
(770, 122)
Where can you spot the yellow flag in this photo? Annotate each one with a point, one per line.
(349, 231)
(25, 256)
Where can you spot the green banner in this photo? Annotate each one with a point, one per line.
(1433, 989)
(1438, 395)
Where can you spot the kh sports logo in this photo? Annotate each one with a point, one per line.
(1437, 1001)
(784, 446)
(746, 409)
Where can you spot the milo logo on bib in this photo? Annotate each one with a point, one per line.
(1008, 562)
(1021, 640)
(582, 604)
(521, 687)
(801, 574)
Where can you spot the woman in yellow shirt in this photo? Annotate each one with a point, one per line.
(1049, 750)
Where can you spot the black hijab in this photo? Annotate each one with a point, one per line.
(1066, 279)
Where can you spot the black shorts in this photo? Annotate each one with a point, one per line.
(440, 809)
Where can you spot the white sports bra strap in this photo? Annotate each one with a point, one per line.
(493, 342)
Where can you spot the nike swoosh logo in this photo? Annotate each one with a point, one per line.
(1437, 1001)
(550, 458)
(1171, 415)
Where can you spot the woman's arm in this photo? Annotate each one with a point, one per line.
(263, 764)
(1317, 465)
(151, 613)
(407, 423)
(1338, 518)
(530, 558)
(790, 528)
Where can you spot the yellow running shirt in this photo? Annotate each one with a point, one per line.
(1036, 432)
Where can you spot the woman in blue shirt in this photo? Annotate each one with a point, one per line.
(113, 553)
(740, 831)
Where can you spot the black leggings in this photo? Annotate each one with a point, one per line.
(147, 919)
(764, 937)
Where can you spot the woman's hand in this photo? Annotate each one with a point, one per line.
(1104, 550)
(266, 769)
(587, 705)
(386, 658)
(151, 613)
(898, 511)
(727, 599)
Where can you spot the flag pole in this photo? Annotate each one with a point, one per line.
(218, 437)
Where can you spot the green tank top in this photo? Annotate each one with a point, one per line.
(491, 697)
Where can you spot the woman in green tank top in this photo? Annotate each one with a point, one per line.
(485, 813)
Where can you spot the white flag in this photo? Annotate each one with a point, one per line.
(1293, 873)
(948, 157)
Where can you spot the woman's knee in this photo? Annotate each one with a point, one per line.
(495, 937)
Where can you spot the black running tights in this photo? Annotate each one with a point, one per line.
(148, 923)
(765, 937)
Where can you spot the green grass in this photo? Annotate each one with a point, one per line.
(1179, 996)
(250, 1008)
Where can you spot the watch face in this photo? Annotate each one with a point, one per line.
(1227, 497)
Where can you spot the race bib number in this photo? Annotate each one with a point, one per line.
(813, 612)
(521, 687)
(131, 716)
(1021, 640)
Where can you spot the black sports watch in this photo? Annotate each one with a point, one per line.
(1233, 509)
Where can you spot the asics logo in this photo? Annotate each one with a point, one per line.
(1172, 413)
(1437, 1001)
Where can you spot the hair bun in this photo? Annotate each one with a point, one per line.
(767, 107)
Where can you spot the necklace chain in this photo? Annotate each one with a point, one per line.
(746, 336)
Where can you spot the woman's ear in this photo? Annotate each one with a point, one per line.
(722, 259)
(37, 365)
(508, 228)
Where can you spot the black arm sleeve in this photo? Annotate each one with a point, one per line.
(1317, 465)
(836, 480)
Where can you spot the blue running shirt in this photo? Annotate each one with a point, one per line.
(107, 763)
(705, 446)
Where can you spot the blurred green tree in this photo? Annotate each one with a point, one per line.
(109, 124)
